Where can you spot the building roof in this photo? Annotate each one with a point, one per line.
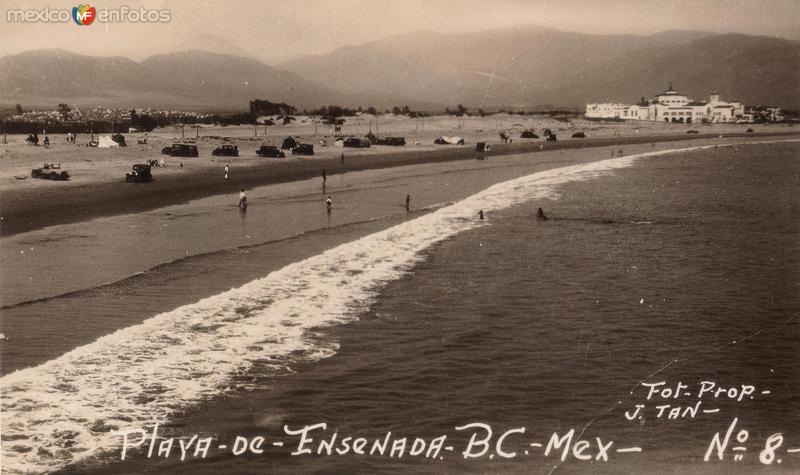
(697, 103)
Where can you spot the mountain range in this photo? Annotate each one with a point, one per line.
(522, 67)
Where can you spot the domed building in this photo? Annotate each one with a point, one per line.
(672, 106)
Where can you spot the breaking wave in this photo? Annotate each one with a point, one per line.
(65, 410)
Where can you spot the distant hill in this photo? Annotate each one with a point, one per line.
(532, 66)
(188, 79)
(522, 67)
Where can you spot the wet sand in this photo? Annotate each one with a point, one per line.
(58, 203)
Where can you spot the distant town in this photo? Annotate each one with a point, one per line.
(669, 106)
(71, 118)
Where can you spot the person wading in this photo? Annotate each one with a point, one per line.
(242, 200)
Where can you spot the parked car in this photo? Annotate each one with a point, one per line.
(579, 135)
(303, 149)
(481, 147)
(48, 172)
(140, 173)
(180, 150)
(226, 151)
(692, 132)
(393, 141)
(354, 142)
(270, 151)
(528, 134)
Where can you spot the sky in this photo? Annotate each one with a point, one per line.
(274, 31)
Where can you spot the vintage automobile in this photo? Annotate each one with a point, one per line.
(528, 134)
(579, 135)
(303, 149)
(48, 172)
(180, 150)
(226, 151)
(354, 142)
(692, 132)
(392, 141)
(482, 147)
(139, 174)
(270, 151)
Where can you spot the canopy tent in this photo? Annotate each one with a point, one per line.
(105, 142)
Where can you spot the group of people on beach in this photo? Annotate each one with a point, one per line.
(329, 201)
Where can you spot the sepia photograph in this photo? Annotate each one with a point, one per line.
(400, 236)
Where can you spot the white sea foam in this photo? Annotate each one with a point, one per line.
(64, 410)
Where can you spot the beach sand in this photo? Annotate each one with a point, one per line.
(97, 187)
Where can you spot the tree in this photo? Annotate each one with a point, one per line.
(372, 110)
(481, 113)
(406, 110)
(396, 110)
(461, 110)
(64, 110)
(19, 109)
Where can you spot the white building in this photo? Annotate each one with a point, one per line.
(672, 106)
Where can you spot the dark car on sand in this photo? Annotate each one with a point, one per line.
(226, 151)
(180, 150)
(48, 172)
(139, 174)
(303, 149)
(270, 151)
(354, 142)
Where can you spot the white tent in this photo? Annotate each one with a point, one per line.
(452, 140)
(105, 142)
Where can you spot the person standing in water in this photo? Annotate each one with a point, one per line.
(242, 200)
(540, 215)
(342, 158)
(227, 170)
(329, 204)
(324, 178)
(480, 215)
(408, 202)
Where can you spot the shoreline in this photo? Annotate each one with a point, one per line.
(31, 209)
(624, 338)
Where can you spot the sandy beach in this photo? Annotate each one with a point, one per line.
(97, 187)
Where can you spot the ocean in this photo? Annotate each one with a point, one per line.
(674, 267)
